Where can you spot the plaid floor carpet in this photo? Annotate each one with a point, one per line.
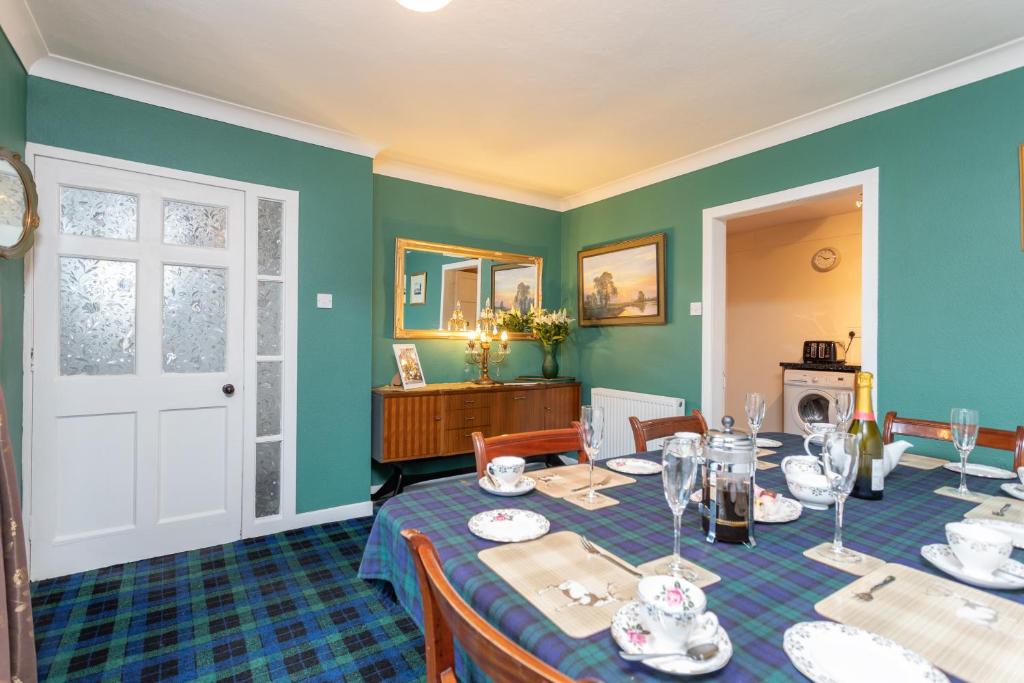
(286, 607)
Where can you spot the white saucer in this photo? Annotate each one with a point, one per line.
(633, 466)
(1012, 529)
(1014, 490)
(524, 485)
(1009, 576)
(986, 471)
(509, 525)
(787, 511)
(827, 652)
(632, 637)
(767, 443)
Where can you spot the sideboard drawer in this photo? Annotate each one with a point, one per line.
(468, 401)
(461, 440)
(471, 417)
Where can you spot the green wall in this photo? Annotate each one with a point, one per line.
(335, 240)
(951, 270)
(12, 288)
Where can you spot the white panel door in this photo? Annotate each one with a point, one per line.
(137, 401)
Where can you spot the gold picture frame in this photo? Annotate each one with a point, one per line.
(644, 271)
(29, 220)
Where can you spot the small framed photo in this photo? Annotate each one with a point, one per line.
(417, 289)
(409, 368)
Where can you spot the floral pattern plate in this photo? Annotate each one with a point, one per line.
(633, 466)
(768, 443)
(633, 638)
(523, 486)
(509, 525)
(1015, 490)
(986, 471)
(1009, 576)
(786, 510)
(827, 652)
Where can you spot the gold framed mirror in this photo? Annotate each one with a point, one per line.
(440, 288)
(19, 205)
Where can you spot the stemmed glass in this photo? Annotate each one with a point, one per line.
(754, 407)
(680, 459)
(844, 410)
(840, 457)
(963, 422)
(592, 421)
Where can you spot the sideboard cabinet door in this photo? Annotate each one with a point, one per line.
(413, 427)
(561, 406)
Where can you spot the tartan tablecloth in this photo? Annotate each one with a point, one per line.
(763, 591)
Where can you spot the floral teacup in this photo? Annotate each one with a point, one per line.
(816, 433)
(673, 610)
(980, 550)
(506, 470)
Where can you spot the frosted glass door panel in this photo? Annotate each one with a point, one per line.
(97, 316)
(195, 225)
(268, 478)
(268, 313)
(268, 398)
(96, 213)
(270, 223)
(195, 319)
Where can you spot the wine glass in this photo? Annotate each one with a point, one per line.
(840, 457)
(754, 407)
(680, 459)
(963, 422)
(844, 409)
(592, 421)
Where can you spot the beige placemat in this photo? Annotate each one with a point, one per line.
(578, 591)
(700, 577)
(600, 500)
(559, 482)
(867, 564)
(966, 632)
(999, 507)
(764, 451)
(765, 465)
(971, 496)
(922, 462)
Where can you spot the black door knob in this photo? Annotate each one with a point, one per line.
(228, 389)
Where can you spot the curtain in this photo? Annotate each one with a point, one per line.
(17, 641)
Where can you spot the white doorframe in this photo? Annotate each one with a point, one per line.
(287, 519)
(460, 265)
(713, 332)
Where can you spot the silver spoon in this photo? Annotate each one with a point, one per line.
(867, 596)
(1001, 512)
(701, 652)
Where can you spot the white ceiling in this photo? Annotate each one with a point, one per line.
(844, 201)
(554, 97)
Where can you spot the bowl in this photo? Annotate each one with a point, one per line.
(806, 481)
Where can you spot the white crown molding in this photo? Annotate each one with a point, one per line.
(986, 64)
(22, 31)
(141, 90)
(453, 181)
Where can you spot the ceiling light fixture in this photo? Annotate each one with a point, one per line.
(424, 5)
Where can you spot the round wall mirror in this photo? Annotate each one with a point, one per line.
(19, 204)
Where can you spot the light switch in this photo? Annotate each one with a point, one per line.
(324, 300)
(696, 308)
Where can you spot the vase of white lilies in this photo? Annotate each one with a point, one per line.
(551, 328)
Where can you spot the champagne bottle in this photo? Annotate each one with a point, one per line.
(871, 469)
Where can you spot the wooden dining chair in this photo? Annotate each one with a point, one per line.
(447, 618)
(528, 444)
(659, 428)
(999, 439)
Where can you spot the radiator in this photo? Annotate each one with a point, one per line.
(619, 406)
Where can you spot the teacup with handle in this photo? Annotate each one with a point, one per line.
(981, 550)
(816, 433)
(674, 611)
(506, 471)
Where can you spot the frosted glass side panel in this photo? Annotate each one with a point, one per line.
(97, 316)
(268, 398)
(270, 221)
(195, 225)
(268, 478)
(195, 319)
(96, 213)
(268, 318)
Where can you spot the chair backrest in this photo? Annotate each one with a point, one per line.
(447, 617)
(658, 428)
(999, 439)
(528, 444)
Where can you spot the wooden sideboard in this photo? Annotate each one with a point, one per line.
(439, 419)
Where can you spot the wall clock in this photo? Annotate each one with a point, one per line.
(825, 259)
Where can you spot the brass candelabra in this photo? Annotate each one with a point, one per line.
(479, 349)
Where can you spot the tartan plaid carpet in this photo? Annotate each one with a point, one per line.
(286, 607)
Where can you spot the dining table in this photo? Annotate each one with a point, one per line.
(764, 589)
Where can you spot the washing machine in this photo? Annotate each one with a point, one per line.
(810, 396)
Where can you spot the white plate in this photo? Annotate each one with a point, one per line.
(509, 525)
(1009, 576)
(524, 485)
(768, 443)
(1015, 490)
(985, 471)
(633, 466)
(633, 638)
(1012, 529)
(827, 652)
(787, 511)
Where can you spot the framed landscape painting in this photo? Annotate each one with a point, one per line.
(512, 287)
(623, 283)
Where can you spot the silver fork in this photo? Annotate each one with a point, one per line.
(596, 483)
(594, 550)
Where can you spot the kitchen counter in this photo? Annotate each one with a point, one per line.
(824, 367)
